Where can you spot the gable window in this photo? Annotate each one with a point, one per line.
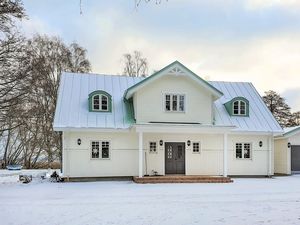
(174, 103)
(196, 147)
(243, 150)
(239, 108)
(152, 147)
(100, 101)
(100, 150)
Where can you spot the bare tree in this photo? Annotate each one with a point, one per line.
(135, 65)
(10, 10)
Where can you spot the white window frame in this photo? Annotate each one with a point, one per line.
(243, 150)
(100, 103)
(239, 108)
(156, 146)
(171, 102)
(100, 149)
(196, 142)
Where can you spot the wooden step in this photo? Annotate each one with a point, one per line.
(182, 179)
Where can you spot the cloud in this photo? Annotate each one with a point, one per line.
(263, 4)
(293, 98)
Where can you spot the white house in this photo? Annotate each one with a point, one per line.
(172, 122)
(287, 151)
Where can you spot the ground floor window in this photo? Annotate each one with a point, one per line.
(196, 147)
(100, 150)
(152, 147)
(243, 150)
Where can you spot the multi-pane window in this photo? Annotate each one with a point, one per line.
(100, 150)
(95, 149)
(105, 149)
(243, 150)
(152, 147)
(196, 147)
(174, 103)
(239, 107)
(100, 102)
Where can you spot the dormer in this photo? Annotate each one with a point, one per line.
(238, 106)
(100, 101)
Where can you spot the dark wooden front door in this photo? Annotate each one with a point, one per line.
(174, 158)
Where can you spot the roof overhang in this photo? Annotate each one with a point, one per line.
(177, 69)
(289, 133)
(90, 129)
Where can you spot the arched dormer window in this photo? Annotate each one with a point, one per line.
(238, 106)
(100, 101)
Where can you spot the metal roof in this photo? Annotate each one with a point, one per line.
(260, 118)
(72, 104)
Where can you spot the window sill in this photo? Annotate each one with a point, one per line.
(100, 158)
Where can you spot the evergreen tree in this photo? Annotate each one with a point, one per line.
(279, 108)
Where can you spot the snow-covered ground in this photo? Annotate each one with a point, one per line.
(246, 201)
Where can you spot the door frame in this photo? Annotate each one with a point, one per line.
(184, 150)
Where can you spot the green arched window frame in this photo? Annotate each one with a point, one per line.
(100, 101)
(238, 106)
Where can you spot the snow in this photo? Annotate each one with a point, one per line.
(246, 201)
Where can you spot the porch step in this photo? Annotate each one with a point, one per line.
(181, 179)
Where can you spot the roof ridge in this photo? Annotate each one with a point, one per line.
(100, 74)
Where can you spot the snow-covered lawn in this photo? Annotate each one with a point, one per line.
(246, 201)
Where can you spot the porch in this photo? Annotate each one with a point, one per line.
(181, 179)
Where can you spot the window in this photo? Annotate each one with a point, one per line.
(196, 147)
(100, 150)
(152, 147)
(100, 101)
(174, 103)
(239, 107)
(243, 150)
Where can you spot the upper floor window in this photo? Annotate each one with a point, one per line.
(174, 103)
(100, 101)
(239, 107)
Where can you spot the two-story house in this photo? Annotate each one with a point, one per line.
(172, 122)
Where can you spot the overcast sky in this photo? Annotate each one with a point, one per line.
(232, 40)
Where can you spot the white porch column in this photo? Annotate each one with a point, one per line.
(270, 156)
(141, 154)
(225, 152)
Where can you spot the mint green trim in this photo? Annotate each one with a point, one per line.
(229, 106)
(100, 92)
(167, 67)
(129, 115)
(292, 131)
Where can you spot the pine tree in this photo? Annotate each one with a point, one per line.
(279, 108)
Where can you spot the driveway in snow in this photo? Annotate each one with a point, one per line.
(246, 201)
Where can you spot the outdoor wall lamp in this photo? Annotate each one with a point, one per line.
(188, 143)
(79, 141)
(260, 144)
(289, 144)
(161, 142)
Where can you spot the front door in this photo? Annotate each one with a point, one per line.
(174, 158)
